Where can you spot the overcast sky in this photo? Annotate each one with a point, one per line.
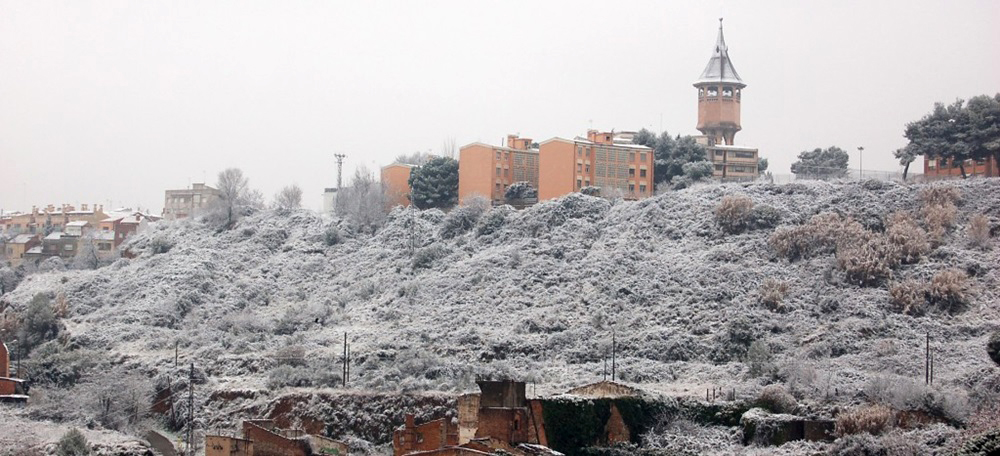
(114, 102)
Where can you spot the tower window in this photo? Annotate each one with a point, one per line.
(727, 92)
(713, 91)
(701, 92)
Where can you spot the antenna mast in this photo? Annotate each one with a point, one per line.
(340, 167)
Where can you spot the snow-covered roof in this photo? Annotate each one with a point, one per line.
(22, 239)
(54, 236)
(725, 147)
(105, 236)
(77, 223)
(720, 67)
(509, 149)
(35, 249)
(580, 140)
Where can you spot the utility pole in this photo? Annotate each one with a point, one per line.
(614, 349)
(176, 343)
(190, 448)
(927, 361)
(861, 163)
(340, 167)
(343, 369)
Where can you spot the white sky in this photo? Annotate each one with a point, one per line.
(114, 102)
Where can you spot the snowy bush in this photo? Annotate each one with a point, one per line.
(464, 217)
(303, 376)
(906, 394)
(868, 262)
(52, 264)
(872, 419)
(73, 443)
(493, 221)
(38, 323)
(820, 235)
(759, 359)
(908, 297)
(993, 347)
(979, 231)
(53, 364)
(772, 294)
(776, 399)
(763, 216)
(939, 219)
(949, 290)
(733, 213)
(160, 244)
(940, 195)
(519, 191)
(911, 240)
(332, 236)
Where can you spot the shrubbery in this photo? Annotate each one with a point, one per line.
(904, 232)
(993, 347)
(873, 419)
(773, 293)
(463, 218)
(73, 443)
(979, 231)
(777, 399)
(908, 297)
(733, 213)
(38, 323)
(949, 290)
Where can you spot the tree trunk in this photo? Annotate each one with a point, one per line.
(961, 166)
(905, 170)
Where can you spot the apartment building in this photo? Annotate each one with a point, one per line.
(569, 165)
(487, 170)
(49, 219)
(189, 202)
(395, 180)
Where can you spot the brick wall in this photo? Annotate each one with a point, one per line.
(267, 443)
(431, 435)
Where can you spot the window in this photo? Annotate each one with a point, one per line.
(631, 172)
(719, 153)
(586, 169)
(713, 91)
(498, 155)
(743, 154)
(631, 156)
(727, 92)
(104, 246)
(498, 171)
(67, 247)
(631, 188)
(579, 151)
(579, 167)
(579, 183)
(701, 92)
(642, 188)
(932, 164)
(720, 167)
(642, 173)
(642, 157)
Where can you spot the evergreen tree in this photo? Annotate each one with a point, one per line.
(435, 184)
(819, 163)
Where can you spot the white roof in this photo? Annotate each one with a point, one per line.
(580, 140)
(105, 236)
(725, 147)
(77, 223)
(54, 236)
(22, 238)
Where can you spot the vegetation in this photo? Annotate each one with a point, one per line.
(236, 199)
(671, 154)
(829, 163)
(993, 347)
(773, 293)
(288, 198)
(38, 323)
(518, 192)
(73, 443)
(960, 131)
(363, 203)
(872, 419)
(776, 399)
(733, 213)
(435, 184)
(979, 231)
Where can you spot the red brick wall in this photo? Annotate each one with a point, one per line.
(8, 386)
(4, 361)
(267, 443)
(431, 435)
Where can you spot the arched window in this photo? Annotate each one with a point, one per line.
(713, 91)
(727, 92)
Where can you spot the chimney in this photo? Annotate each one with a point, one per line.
(83, 207)
(410, 421)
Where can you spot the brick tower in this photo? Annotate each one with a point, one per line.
(719, 91)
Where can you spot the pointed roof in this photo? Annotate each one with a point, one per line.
(720, 68)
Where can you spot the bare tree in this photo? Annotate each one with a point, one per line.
(448, 147)
(288, 198)
(416, 158)
(86, 257)
(363, 203)
(235, 198)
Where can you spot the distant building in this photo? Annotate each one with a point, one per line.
(567, 166)
(220, 445)
(395, 180)
(936, 168)
(18, 246)
(720, 92)
(179, 204)
(329, 200)
(46, 220)
(11, 389)
(488, 170)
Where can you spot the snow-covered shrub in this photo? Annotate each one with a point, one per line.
(872, 419)
(591, 190)
(993, 347)
(904, 393)
(940, 195)
(160, 244)
(777, 399)
(870, 262)
(697, 170)
(772, 294)
(820, 235)
(733, 213)
(519, 191)
(332, 236)
(54, 364)
(759, 359)
(51, 264)
(303, 376)
(425, 257)
(949, 290)
(732, 343)
(493, 221)
(681, 182)
(464, 217)
(911, 239)
(8, 279)
(979, 231)
(763, 216)
(38, 323)
(908, 297)
(73, 443)
(939, 219)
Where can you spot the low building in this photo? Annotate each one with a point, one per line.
(19, 245)
(395, 180)
(46, 220)
(189, 202)
(220, 445)
(937, 168)
(264, 438)
(432, 435)
(329, 200)
(731, 162)
(11, 389)
(60, 244)
(569, 165)
(486, 170)
(124, 224)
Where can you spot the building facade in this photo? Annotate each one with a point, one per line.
(486, 170)
(568, 166)
(189, 202)
(49, 219)
(720, 93)
(396, 184)
(936, 168)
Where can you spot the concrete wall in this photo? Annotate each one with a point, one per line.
(468, 417)
(217, 445)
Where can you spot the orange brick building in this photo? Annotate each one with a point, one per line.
(432, 435)
(945, 167)
(488, 170)
(396, 183)
(567, 166)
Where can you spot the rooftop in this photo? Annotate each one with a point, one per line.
(720, 67)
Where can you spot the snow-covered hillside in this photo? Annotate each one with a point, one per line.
(536, 295)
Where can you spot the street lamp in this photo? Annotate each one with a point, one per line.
(861, 162)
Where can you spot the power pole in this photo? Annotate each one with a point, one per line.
(927, 361)
(343, 369)
(614, 349)
(190, 444)
(340, 167)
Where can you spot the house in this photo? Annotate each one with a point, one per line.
(60, 244)
(17, 247)
(46, 220)
(189, 202)
(11, 389)
(122, 225)
(395, 180)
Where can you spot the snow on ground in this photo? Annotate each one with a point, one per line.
(533, 295)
